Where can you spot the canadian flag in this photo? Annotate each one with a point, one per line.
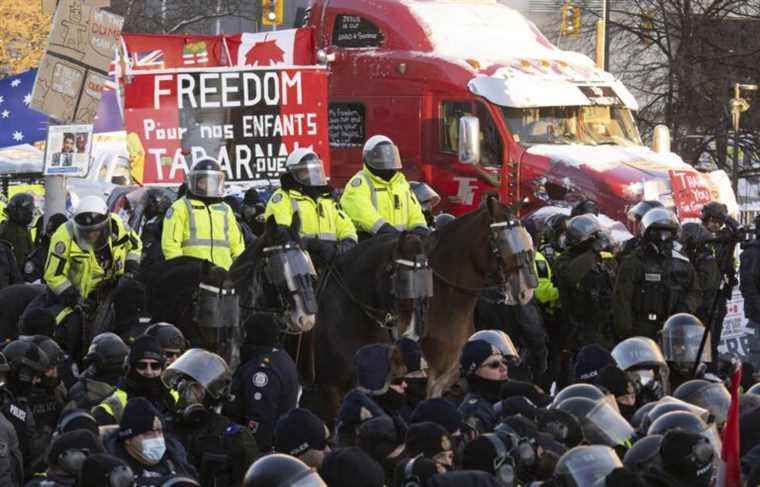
(291, 47)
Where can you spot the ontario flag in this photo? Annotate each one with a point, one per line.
(730, 468)
(291, 47)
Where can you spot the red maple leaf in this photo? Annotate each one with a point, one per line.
(265, 53)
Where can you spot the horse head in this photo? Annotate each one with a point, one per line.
(512, 246)
(288, 269)
(411, 281)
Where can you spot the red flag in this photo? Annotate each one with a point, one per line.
(730, 475)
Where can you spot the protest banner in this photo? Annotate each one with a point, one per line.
(690, 193)
(68, 148)
(247, 119)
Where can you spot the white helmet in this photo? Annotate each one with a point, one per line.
(380, 152)
(306, 167)
(92, 225)
(206, 179)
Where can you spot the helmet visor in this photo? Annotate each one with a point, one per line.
(309, 173)
(681, 344)
(588, 466)
(383, 156)
(605, 425)
(206, 368)
(92, 231)
(309, 479)
(208, 184)
(715, 398)
(637, 352)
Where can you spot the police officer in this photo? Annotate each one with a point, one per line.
(265, 385)
(654, 281)
(65, 457)
(220, 449)
(27, 364)
(686, 459)
(172, 341)
(104, 470)
(253, 211)
(105, 365)
(48, 397)
(586, 466)
(146, 363)
(281, 471)
(200, 224)
(380, 371)
(378, 198)
(302, 434)
(34, 264)
(428, 200)
(157, 203)
(695, 240)
(15, 230)
(11, 461)
(553, 238)
(91, 249)
(585, 283)
(642, 360)
(749, 282)
(680, 340)
(635, 214)
(326, 230)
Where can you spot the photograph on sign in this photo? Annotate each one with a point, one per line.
(68, 150)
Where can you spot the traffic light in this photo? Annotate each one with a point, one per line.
(272, 12)
(571, 20)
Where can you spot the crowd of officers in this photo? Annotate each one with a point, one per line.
(611, 384)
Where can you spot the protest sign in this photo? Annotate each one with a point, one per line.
(690, 193)
(67, 151)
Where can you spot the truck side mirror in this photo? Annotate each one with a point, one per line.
(469, 140)
(661, 139)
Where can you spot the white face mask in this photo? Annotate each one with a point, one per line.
(153, 449)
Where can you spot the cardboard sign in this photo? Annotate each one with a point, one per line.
(48, 6)
(690, 193)
(74, 69)
(247, 119)
(68, 149)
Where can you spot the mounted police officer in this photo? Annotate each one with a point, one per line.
(220, 449)
(16, 229)
(92, 249)
(326, 230)
(654, 281)
(200, 224)
(585, 283)
(378, 199)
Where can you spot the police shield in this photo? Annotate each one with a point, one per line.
(588, 466)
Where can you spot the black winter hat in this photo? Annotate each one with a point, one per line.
(411, 353)
(427, 438)
(479, 454)
(351, 467)
(98, 468)
(589, 361)
(299, 430)
(614, 380)
(145, 347)
(473, 355)
(378, 437)
(139, 417)
(251, 197)
(376, 366)
(440, 411)
(75, 440)
(38, 321)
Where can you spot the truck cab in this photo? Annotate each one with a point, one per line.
(478, 102)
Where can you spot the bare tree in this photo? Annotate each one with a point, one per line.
(186, 16)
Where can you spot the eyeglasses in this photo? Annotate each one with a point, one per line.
(149, 365)
(495, 364)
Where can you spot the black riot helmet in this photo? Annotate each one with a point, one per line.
(637, 211)
(169, 336)
(206, 179)
(157, 202)
(586, 466)
(714, 210)
(53, 351)
(442, 219)
(20, 209)
(685, 421)
(500, 341)
(644, 454)
(279, 470)
(680, 339)
(639, 418)
(26, 360)
(585, 207)
(694, 236)
(659, 224)
(582, 228)
(669, 404)
(712, 396)
(107, 353)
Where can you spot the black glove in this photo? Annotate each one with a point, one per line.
(321, 250)
(387, 228)
(421, 231)
(70, 297)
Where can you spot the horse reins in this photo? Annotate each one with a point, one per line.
(371, 312)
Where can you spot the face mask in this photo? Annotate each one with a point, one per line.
(153, 449)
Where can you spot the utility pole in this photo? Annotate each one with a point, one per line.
(737, 106)
(606, 17)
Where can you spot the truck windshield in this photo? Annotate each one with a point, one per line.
(586, 125)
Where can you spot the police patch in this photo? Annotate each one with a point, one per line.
(169, 213)
(260, 379)
(356, 182)
(60, 248)
(28, 268)
(276, 198)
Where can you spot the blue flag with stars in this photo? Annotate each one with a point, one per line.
(19, 124)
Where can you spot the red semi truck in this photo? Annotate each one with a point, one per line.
(479, 101)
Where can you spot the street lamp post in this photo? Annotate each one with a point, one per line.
(737, 106)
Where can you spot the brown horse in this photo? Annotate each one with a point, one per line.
(466, 255)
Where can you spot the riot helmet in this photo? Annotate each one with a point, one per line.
(499, 340)
(381, 153)
(556, 227)
(442, 219)
(170, 338)
(306, 168)
(563, 427)
(587, 466)
(200, 377)
(680, 338)
(92, 224)
(21, 209)
(712, 396)
(755, 389)
(669, 404)
(589, 391)
(714, 211)
(157, 202)
(639, 418)
(5, 368)
(685, 421)
(644, 454)
(425, 195)
(104, 470)
(642, 360)
(585, 207)
(278, 470)
(694, 236)
(27, 362)
(180, 482)
(206, 179)
(50, 379)
(581, 229)
(107, 353)
(660, 225)
(637, 211)
(600, 422)
(689, 458)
